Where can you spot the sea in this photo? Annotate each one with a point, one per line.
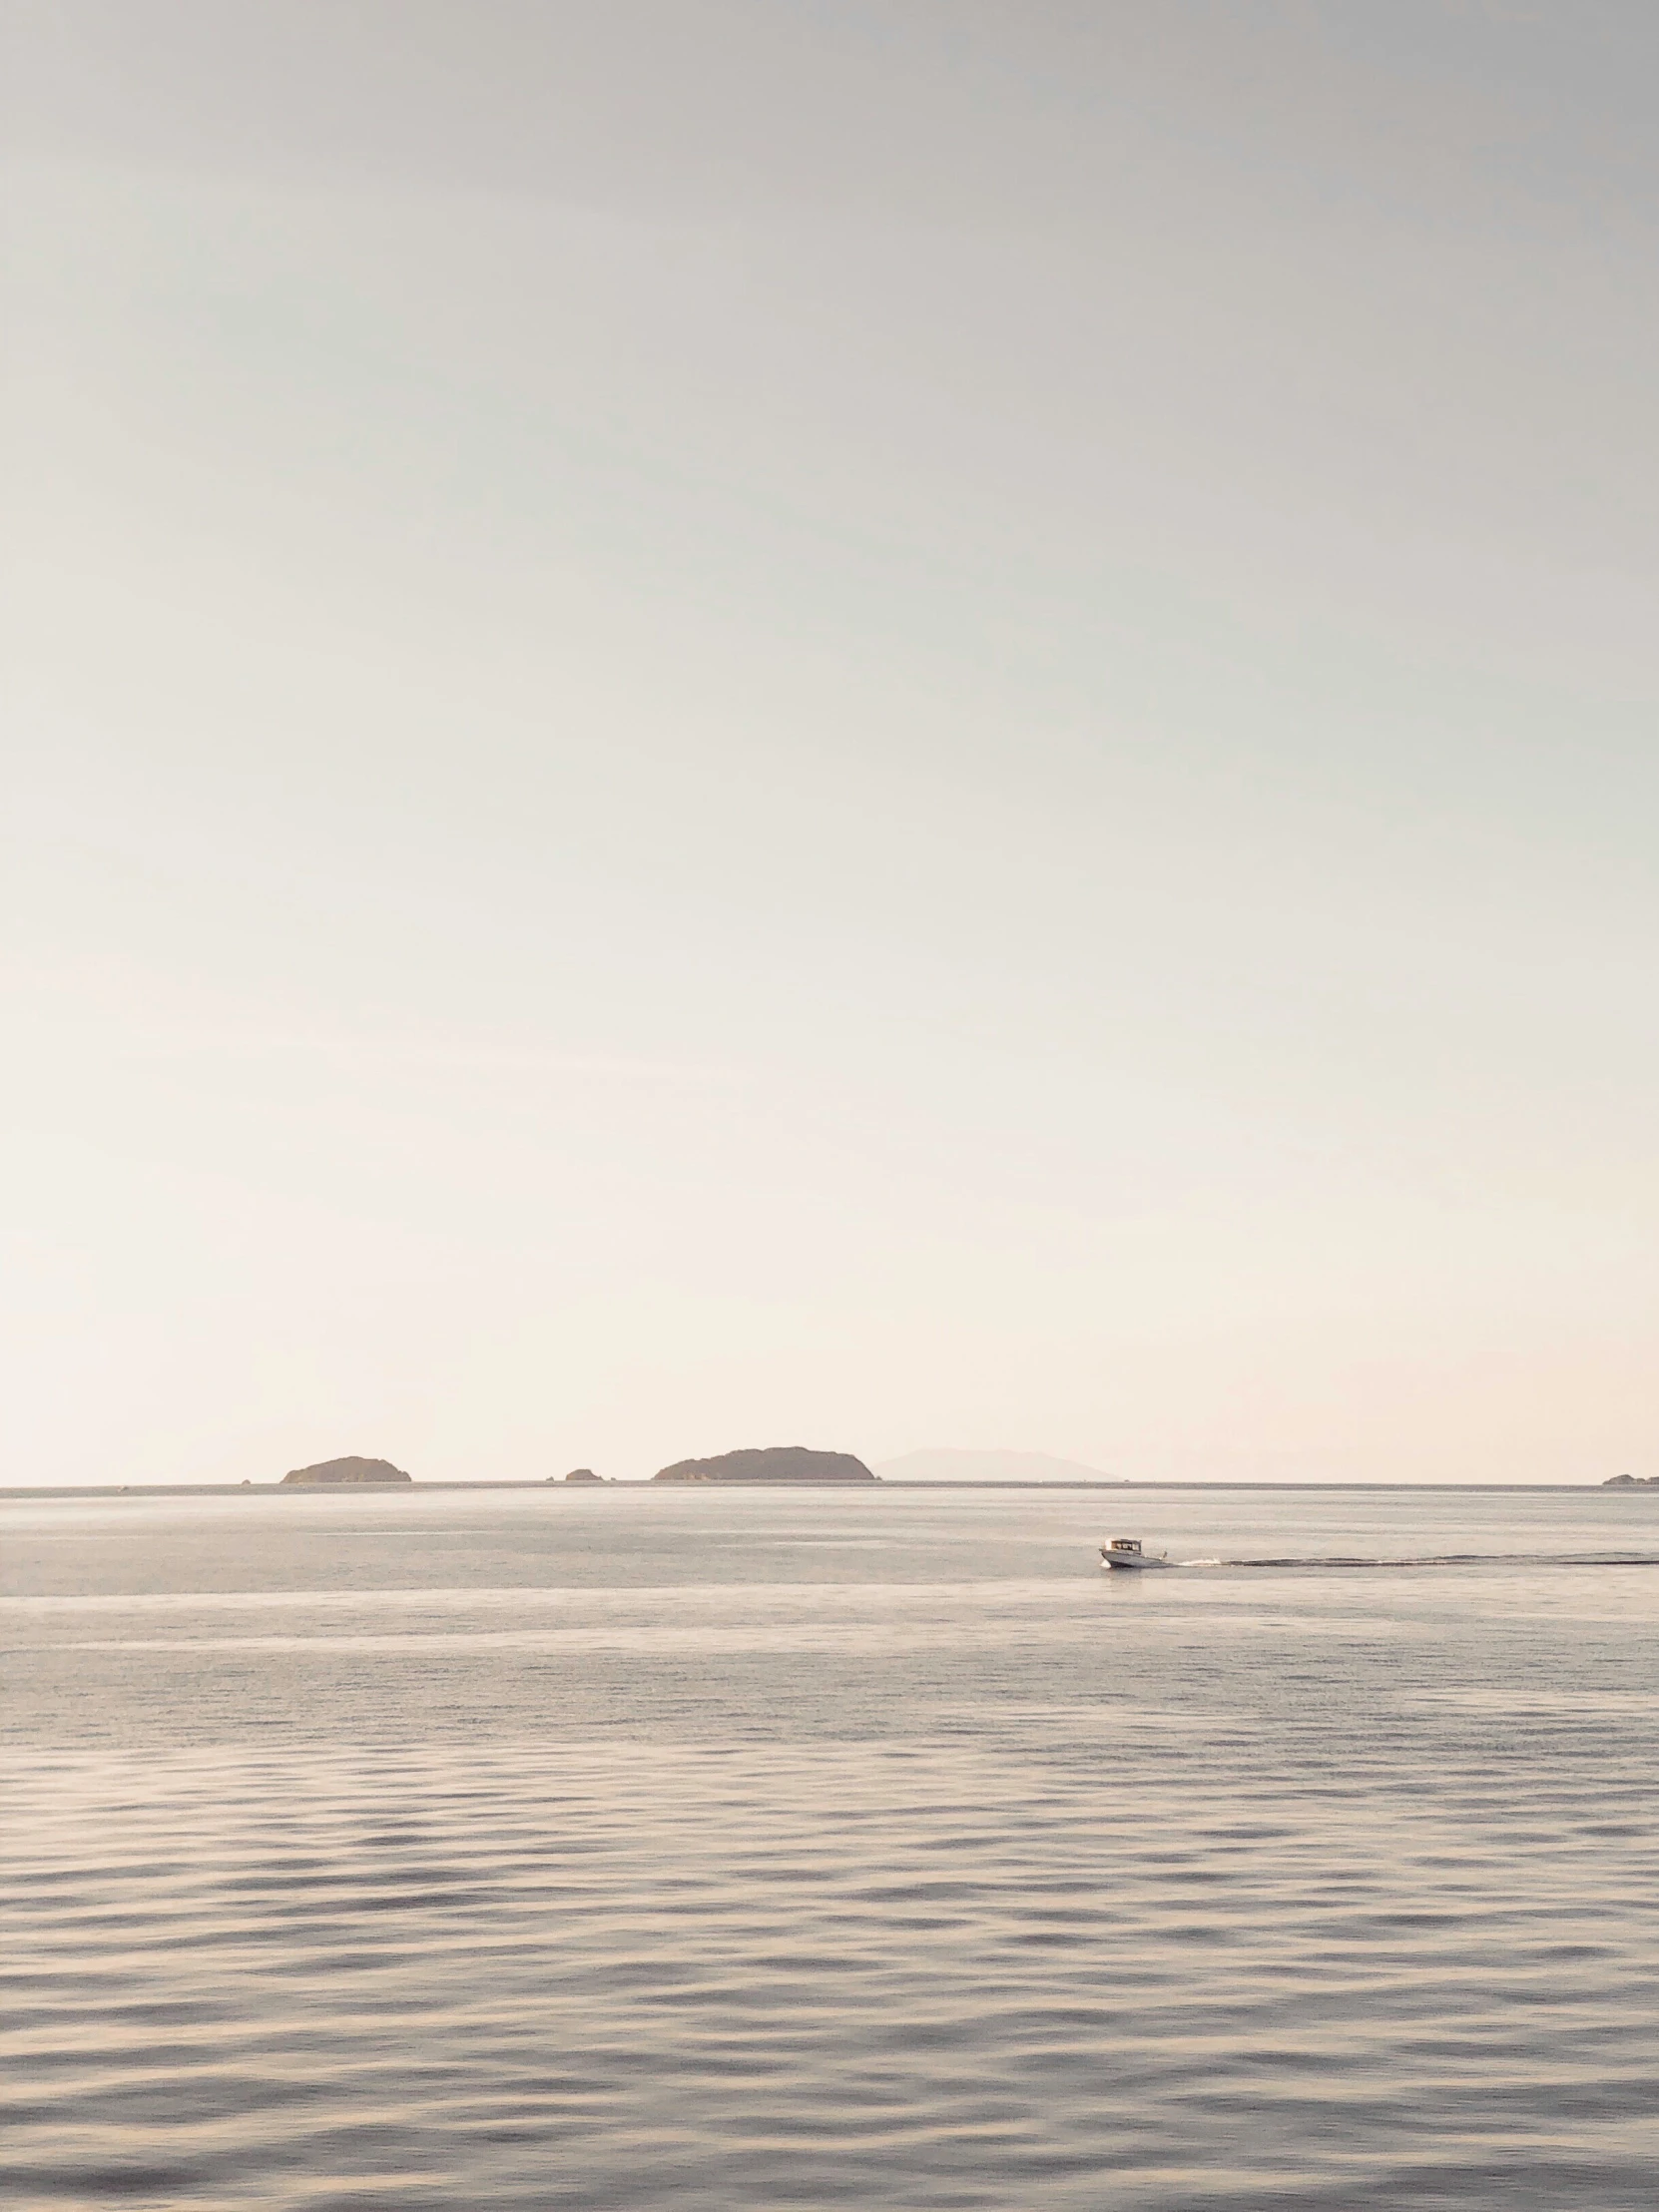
(735, 1850)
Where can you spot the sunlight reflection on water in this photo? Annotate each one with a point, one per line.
(535, 1853)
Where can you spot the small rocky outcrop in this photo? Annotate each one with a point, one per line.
(349, 1470)
(775, 1463)
(581, 1475)
(1631, 1483)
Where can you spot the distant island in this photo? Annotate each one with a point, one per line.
(1631, 1483)
(349, 1470)
(776, 1464)
(989, 1467)
(579, 1474)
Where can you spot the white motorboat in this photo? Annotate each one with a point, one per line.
(1125, 1552)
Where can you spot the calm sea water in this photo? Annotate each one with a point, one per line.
(714, 1850)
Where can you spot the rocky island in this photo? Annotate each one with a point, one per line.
(1631, 1483)
(776, 1464)
(349, 1470)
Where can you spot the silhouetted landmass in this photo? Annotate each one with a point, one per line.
(581, 1475)
(776, 1463)
(349, 1470)
(1631, 1483)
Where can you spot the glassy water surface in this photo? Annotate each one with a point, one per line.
(719, 1850)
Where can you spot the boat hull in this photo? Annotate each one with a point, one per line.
(1132, 1562)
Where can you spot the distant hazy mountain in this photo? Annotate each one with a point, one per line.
(987, 1467)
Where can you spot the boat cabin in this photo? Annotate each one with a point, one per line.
(1124, 1543)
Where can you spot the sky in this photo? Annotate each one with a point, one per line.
(889, 725)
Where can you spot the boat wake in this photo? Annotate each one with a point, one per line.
(1446, 1559)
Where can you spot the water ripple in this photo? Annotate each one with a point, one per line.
(1021, 1895)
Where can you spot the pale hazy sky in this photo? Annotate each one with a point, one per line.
(867, 723)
